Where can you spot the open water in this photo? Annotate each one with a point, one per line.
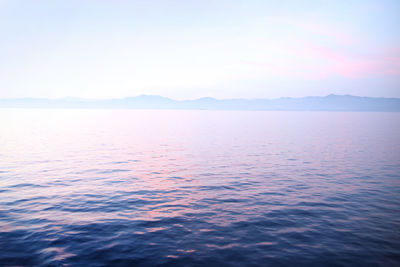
(199, 188)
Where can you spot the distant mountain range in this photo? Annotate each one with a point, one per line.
(311, 103)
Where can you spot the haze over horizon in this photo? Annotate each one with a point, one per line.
(155, 96)
(192, 49)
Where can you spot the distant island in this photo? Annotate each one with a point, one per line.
(311, 103)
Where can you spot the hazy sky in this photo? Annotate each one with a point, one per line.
(187, 49)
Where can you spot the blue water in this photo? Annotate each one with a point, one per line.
(198, 188)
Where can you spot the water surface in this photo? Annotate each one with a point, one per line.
(195, 188)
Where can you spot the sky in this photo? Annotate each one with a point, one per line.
(186, 49)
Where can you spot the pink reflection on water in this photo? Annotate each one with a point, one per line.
(60, 253)
(173, 161)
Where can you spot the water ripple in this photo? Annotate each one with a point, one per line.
(248, 191)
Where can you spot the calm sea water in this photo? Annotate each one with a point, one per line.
(198, 188)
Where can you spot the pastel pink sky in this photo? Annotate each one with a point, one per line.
(189, 49)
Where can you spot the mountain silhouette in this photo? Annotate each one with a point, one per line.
(331, 102)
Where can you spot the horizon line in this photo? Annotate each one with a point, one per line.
(204, 97)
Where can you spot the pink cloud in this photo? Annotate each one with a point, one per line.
(311, 61)
(382, 62)
(328, 49)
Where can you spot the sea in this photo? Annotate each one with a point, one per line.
(199, 188)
